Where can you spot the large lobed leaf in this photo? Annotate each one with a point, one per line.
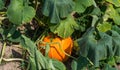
(65, 28)
(19, 13)
(57, 9)
(94, 49)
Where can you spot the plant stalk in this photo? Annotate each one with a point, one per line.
(2, 52)
(13, 59)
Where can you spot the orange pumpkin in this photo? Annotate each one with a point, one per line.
(55, 51)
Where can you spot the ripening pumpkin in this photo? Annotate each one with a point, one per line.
(55, 51)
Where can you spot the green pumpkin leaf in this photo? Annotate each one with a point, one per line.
(96, 11)
(41, 61)
(18, 13)
(28, 14)
(116, 42)
(81, 5)
(114, 2)
(117, 59)
(86, 41)
(58, 65)
(80, 63)
(104, 46)
(118, 10)
(108, 67)
(101, 48)
(36, 60)
(65, 28)
(113, 14)
(27, 44)
(32, 63)
(14, 11)
(74, 65)
(116, 28)
(30, 47)
(15, 37)
(56, 9)
(111, 61)
(104, 27)
(1, 4)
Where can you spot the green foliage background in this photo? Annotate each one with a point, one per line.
(93, 24)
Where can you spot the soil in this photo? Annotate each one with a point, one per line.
(11, 52)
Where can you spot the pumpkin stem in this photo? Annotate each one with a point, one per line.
(64, 51)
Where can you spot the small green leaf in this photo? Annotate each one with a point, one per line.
(9, 33)
(108, 67)
(41, 61)
(81, 5)
(12, 31)
(117, 59)
(58, 65)
(14, 11)
(28, 14)
(111, 61)
(65, 28)
(51, 66)
(27, 44)
(80, 64)
(15, 38)
(32, 64)
(96, 11)
(116, 28)
(104, 27)
(114, 2)
(118, 10)
(113, 14)
(1, 4)
(74, 65)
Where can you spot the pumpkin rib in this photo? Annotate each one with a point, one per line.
(56, 45)
(58, 53)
